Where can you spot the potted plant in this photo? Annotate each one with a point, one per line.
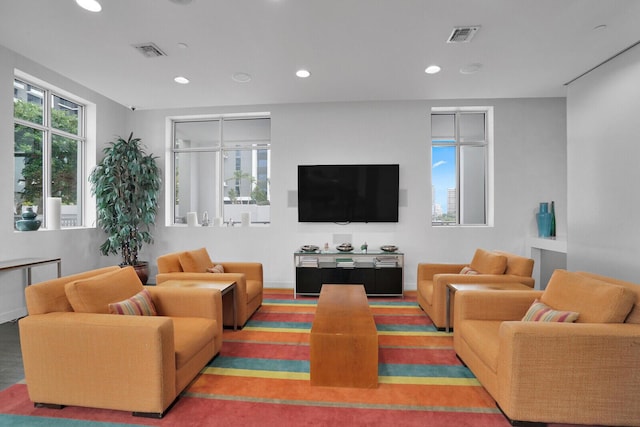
(126, 183)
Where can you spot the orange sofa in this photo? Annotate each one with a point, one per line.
(75, 353)
(485, 267)
(551, 371)
(193, 266)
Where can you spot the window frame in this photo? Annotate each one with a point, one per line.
(488, 143)
(49, 132)
(219, 148)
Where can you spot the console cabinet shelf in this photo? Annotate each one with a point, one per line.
(381, 273)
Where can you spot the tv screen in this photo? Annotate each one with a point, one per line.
(348, 193)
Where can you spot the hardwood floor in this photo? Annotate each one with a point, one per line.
(11, 370)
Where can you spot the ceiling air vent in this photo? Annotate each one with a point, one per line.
(463, 34)
(149, 50)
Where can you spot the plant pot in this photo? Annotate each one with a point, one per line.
(142, 270)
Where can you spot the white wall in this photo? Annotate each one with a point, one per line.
(530, 161)
(78, 248)
(603, 142)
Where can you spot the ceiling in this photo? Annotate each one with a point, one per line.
(356, 50)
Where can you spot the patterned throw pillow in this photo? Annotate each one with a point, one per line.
(540, 312)
(138, 305)
(468, 270)
(216, 269)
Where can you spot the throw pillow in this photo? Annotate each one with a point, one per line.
(485, 262)
(468, 270)
(216, 269)
(140, 304)
(195, 261)
(540, 312)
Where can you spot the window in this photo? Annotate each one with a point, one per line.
(49, 147)
(461, 159)
(222, 166)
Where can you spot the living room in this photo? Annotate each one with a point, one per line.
(576, 147)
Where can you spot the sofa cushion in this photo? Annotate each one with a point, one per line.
(634, 314)
(517, 265)
(540, 312)
(483, 337)
(485, 262)
(140, 304)
(191, 334)
(595, 300)
(93, 295)
(196, 261)
(254, 288)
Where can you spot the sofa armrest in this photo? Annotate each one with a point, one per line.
(588, 367)
(251, 270)
(493, 305)
(444, 279)
(426, 271)
(88, 359)
(197, 302)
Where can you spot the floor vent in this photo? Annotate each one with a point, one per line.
(463, 34)
(149, 50)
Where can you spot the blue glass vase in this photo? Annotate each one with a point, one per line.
(543, 218)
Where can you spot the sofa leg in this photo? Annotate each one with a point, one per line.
(516, 423)
(154, 415)
(48, 405)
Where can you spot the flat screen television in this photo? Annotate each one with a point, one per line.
(348, 193)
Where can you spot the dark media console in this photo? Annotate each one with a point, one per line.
(381, 273)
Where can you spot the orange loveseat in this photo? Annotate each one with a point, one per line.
(551, 371)
(75, 353)
(485, 267)
(193, 266)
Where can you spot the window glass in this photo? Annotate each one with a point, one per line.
(195, 176)
(27, 156)
(64, 115)
(65, 177)
(197, 134)
(459, 171)
(28, 102)
(48, 152)
(222, 166)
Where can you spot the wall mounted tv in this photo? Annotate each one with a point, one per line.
(348, 193)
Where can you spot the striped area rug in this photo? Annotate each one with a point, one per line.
(261, 378)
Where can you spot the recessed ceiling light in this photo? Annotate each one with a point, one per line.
(182, 80)
(241, 77)
(181, 2)
(600, 27)
(432, 69)
(90, 5)
(303, 74)
(183, 45)
(471, 68)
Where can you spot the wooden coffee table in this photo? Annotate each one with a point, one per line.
(222, 286)
(453, 287)
(344, 339)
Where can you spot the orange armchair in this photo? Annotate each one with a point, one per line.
(486, 267)
(193, 265)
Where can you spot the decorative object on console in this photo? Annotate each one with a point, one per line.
(543, 219)
(345, 247)
(28, 221)
(52, 212)
(389, 248)
(309, 248)
(192, 219)
(552, 231)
